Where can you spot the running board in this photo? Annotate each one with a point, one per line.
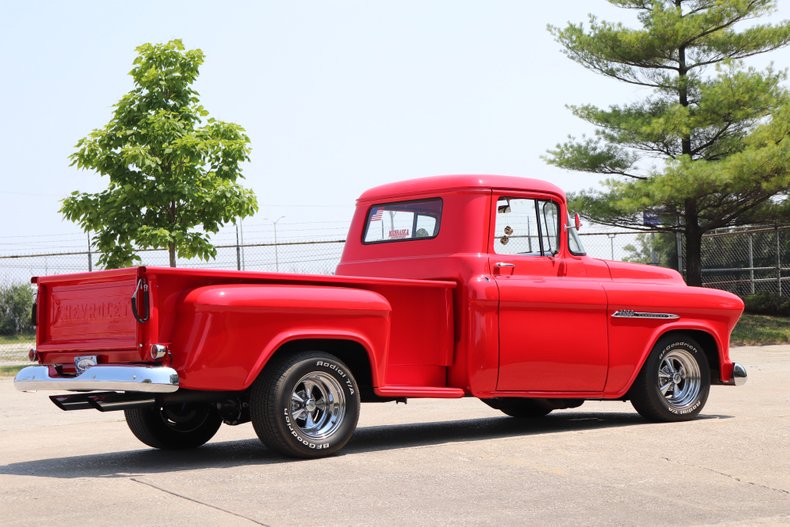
(435, 392)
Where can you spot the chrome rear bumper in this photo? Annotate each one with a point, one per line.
(149, 379)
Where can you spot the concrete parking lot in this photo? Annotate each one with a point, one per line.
(426, 463)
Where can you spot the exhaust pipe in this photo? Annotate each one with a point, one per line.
(112, 401)
(103, 401)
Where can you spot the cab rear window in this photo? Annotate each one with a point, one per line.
(403, 221)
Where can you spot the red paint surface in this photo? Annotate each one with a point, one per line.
(434, 317)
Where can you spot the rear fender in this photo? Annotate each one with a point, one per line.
(227, 333)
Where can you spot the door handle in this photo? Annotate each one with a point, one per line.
(504, 264)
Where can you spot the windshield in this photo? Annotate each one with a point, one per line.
(574, 241)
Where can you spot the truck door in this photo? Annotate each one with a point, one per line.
(552, 323)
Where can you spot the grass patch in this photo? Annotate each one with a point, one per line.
(10, 371)
(16, 339)
(761, 330)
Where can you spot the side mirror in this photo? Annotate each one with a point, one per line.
(577, 221)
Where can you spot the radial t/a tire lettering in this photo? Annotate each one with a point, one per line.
(305, 405)
(674, 382)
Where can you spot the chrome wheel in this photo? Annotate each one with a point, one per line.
(318, 405)
(679, 378)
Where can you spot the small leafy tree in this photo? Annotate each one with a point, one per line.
(719, 131)
(16, 304)
(173, 177)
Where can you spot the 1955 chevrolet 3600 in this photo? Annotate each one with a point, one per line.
(452, 286)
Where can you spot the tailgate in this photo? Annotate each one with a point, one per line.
(87, 314)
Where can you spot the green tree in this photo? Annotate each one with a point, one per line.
(173, 175)
(16, 304)
(718, 129)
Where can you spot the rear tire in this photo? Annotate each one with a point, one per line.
(305, 405)
(174, 427)
(674, 382)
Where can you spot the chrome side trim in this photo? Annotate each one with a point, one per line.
(738, 374)
(630, 313)
(149, 379)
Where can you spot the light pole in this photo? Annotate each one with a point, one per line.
(611, 242)
(276, 253)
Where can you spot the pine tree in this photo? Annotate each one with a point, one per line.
(718, 128)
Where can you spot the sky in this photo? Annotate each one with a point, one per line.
(336, 96)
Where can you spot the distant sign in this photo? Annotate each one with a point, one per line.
(650, 218)
(399, 234)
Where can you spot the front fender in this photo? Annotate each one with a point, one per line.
(631, 339)
(225, 334)
(626, 364)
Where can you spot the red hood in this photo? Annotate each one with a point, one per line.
(641, 272)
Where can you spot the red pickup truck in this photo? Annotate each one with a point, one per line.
(453, 286)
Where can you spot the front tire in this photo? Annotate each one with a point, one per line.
(174, 427)
(306, 405)
(674, 382)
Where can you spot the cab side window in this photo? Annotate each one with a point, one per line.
(526, 226)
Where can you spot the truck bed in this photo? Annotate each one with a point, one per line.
(409, 324)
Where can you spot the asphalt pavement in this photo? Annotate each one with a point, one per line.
(430, 462)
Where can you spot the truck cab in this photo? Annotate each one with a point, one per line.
(534, 314)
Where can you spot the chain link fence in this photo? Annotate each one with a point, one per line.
(300, 257)
(742, 260)
(312, 257)
(748, 260)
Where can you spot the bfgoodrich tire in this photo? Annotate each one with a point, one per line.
(305, 405)
(674, 382)
(174, 427)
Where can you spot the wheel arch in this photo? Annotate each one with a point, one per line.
(711, 350)
(709, 346)
(705, 339)
(353, 353)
